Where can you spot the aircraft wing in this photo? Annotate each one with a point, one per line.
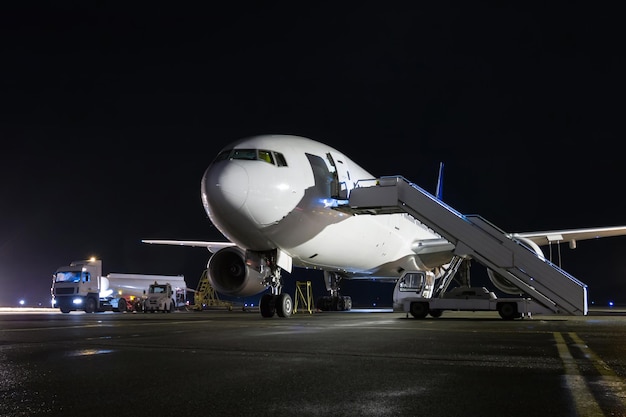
(211, 246)
(572, 235)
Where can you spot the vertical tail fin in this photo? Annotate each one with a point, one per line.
(439, 192)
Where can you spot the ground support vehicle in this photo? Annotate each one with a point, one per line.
(409, 297)
(81, 286)
(162, 297)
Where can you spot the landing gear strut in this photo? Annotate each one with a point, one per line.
(277, 302)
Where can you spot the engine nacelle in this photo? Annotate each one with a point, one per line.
(229, 274)
(504, 284)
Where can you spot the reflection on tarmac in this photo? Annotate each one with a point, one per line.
(322, 364)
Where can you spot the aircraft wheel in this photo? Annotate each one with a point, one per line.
(284, 305)
(267, 305)
(419, 309)
(324, 303)
(347, 303)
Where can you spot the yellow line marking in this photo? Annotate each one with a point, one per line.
(584, 401)
(610, 379)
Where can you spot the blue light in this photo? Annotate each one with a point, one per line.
(610, 303)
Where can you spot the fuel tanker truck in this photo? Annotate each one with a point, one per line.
(80, 286)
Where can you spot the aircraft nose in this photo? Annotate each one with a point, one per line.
(227, 186)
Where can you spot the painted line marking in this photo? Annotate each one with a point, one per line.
(585, 403)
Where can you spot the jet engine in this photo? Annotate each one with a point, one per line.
(230, 273)
(504, 284)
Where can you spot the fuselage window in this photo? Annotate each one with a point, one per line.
(280, 159)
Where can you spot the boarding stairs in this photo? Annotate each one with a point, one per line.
(474, 237)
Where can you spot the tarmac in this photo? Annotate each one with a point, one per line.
(358, 363)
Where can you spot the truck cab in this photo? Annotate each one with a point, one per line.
(77, 286)
(163, 298)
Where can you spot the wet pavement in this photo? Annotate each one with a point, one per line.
(221, 363)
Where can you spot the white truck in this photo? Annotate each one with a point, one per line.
(81, 286)
(413, 294)
(163, 297)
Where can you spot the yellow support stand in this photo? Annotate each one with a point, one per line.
(306, 297)
(206, 296)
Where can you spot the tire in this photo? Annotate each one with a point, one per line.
(323, 303)
(284, 305)
(90, 305)
(508, 311)
(267, 305)
(122, 306)
(347, 301)
(419, 309)
(435, 313)
(65, 309)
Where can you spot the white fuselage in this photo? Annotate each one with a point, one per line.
(260, 205)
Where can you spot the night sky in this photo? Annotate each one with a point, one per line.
(111, 114)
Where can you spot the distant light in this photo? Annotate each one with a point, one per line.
(610, 303)
(22, 302)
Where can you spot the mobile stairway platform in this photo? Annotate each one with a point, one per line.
(473, 236)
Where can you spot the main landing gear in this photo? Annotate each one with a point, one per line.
(334, 301)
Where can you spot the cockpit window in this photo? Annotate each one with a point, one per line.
(280, 159)
(266, 156)
(222, 156)
(244, 154)
(274, 158)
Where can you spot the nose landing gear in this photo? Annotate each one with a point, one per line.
(277, 302)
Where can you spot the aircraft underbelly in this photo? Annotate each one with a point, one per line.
(381, 241)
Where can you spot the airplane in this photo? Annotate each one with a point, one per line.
(276, 199)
